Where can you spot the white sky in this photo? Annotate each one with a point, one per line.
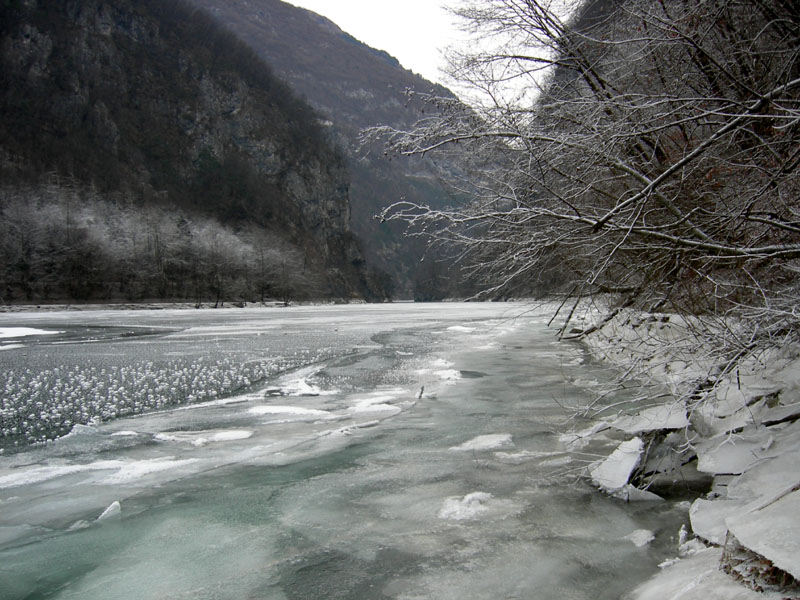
(413, 31)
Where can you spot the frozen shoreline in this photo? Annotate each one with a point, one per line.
(744, 433)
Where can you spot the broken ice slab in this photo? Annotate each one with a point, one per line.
(780, 520)
(694, 578)
(734, 453)
(612, 474)
(665, 416)
(708, 517)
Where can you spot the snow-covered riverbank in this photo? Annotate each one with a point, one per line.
(738, 425)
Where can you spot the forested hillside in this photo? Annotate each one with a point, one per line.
(354, 87)
(146, 153)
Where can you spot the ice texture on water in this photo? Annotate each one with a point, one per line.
(202, 438)
(485, 442)
(134, 470)
(37, 474)
(468, 507)
(640, 537)
(293, 413)
(17, 332)
(353, 494)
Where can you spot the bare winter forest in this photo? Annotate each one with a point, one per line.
(657, 159)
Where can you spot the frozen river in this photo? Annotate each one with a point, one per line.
(405, 451)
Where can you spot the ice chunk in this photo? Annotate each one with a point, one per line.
(708, 518)
(113, 511)
(640, 537)
(666, 416)
(695, 578)
(613, 473)
(468, 507)
(630, 493)
(578, 439)
(732, 454)
(773, 531)
(486, 442)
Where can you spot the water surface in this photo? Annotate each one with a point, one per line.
(392, 451)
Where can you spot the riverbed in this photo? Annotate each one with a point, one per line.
(359, 451)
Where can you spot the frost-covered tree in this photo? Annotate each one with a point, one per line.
(647, 148)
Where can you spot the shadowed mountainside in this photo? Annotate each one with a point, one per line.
(152, 108)
(354, 87)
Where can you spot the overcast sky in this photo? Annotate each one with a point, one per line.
(413, 31)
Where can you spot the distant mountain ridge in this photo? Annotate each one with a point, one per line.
(353, 86)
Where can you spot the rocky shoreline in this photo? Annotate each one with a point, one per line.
(738, 426)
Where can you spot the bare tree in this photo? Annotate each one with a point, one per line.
(658, 160)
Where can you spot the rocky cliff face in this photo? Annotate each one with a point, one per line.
(152, 102)
(354, 87)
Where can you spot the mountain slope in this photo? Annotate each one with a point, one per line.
(354, 86)
(152, 104)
